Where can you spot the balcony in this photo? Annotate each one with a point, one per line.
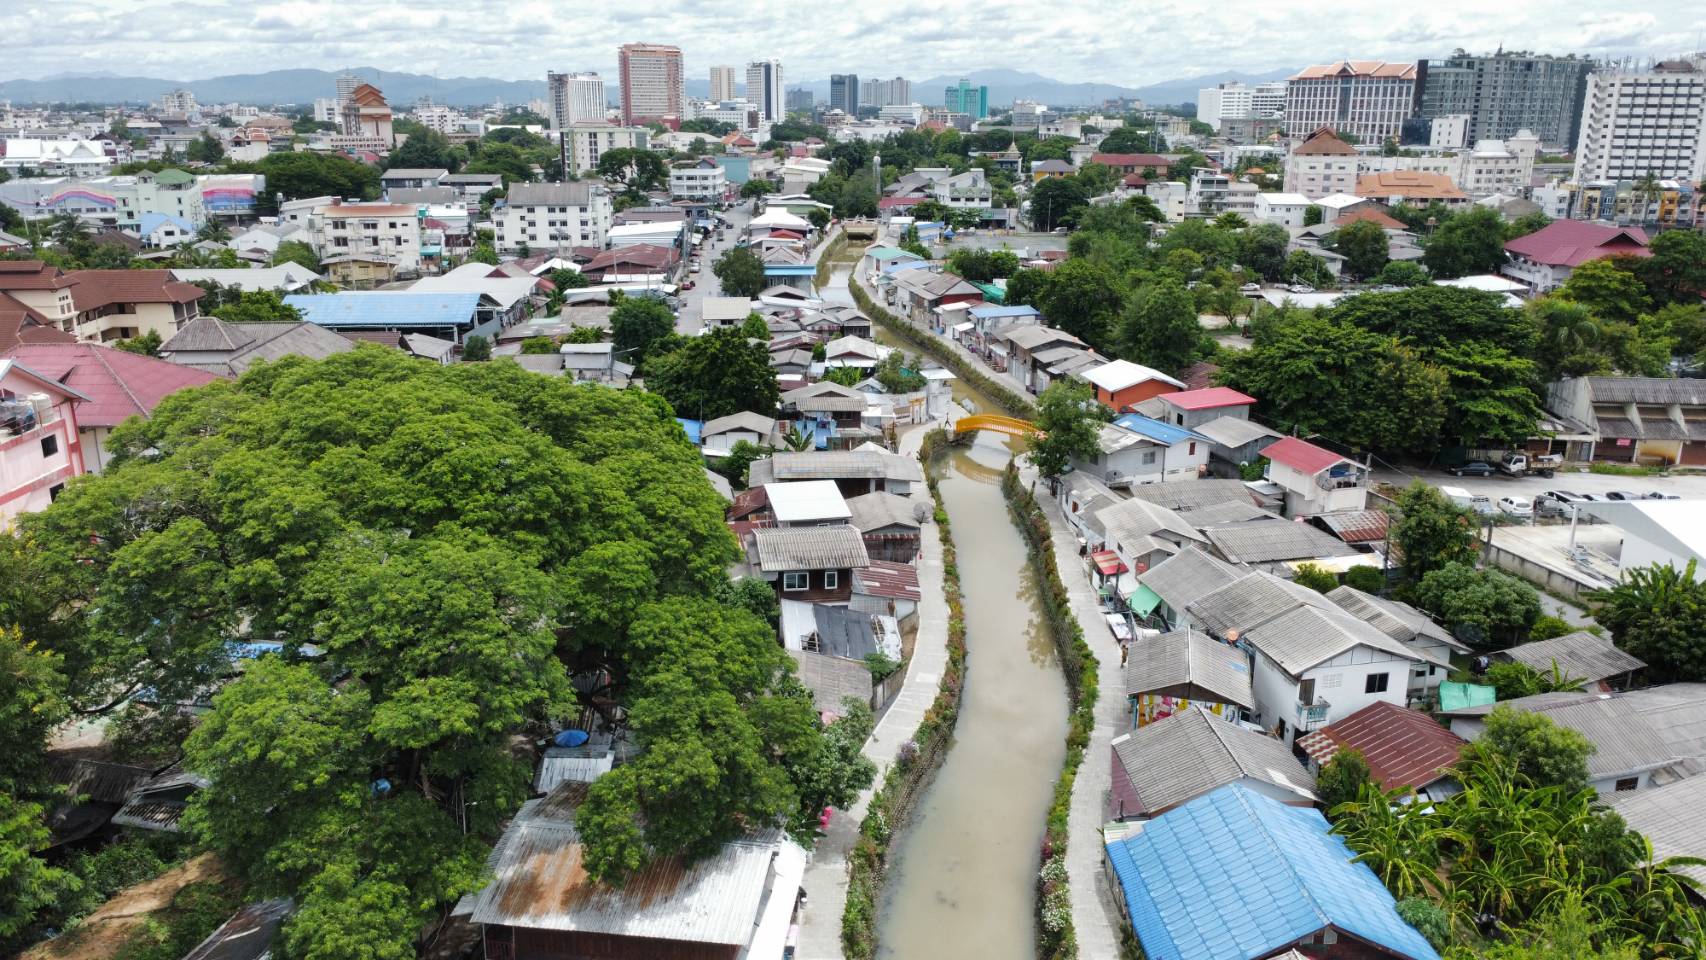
(1312, 715)
(18, 417)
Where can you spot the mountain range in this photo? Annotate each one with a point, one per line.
(404, 89)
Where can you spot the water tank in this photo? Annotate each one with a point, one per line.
(43, 405)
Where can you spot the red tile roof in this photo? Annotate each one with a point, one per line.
(889, 203)
(1372, 216)
(1208, 399)
(1135, 180)
(1404, 748)
(1131, 160)
(119, 384)
(97, 288)
(1199, 376)
(1323, 142)
(1411, 184)
(20, 324)
(644, 254)
(32, 275)
(1301, 455)
(369, 210)
(1356, 68)
(1571, 243)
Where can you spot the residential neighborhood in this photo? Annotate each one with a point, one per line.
(636, 505)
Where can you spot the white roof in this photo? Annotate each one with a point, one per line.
(504, 290)
(804, 500)
(661, 228)
(1338, 201)
(285, 276)
(1286, 199)
(1486, 282)
(1677, 527)
(1120, 374)
(774, 218)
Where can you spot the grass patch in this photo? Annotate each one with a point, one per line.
(1626, 470)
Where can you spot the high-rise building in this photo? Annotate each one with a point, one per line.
(722, 83)
(653, 86)
(1507, 92)
(800, 101)
(1641, 123)
(575, 98)
(844, 92)
(764, 89)
(967, 99)
(1368, 98)
(1239, 101)
(346, 86)
(885, 93)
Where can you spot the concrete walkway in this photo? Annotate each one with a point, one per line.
(1004, 379)
(1095, 916)
(826, 875)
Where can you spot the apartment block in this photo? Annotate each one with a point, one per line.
(575, 98)
(653, 85)
(1369, 99)
(1507, 92)
(1647, 123)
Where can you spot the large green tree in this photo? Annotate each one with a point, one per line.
(1611, 293)
(636, 324)
(637, 171)
(1160, 327)
(1365, 247)
(1083, 299)
(1676, 270)
(714, 375)
(1471, 242)
(740, 272)
(1545, 753)
(298, 174)
(1486, 609)
(1658, 613)
(1070, 421)
(1057, 202)
(1430, 531)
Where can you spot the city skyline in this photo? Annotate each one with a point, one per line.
(521, 39)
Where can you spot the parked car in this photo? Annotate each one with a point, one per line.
(1473, 468)
(1547, 505)
(1301, 288)
(1251, 289)
(1516, 506)
(1624, 495)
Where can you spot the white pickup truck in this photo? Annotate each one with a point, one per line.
(1527, 464)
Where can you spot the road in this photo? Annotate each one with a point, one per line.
(1689, 485)
(688, 321)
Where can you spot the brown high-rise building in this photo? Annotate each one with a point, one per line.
(653, 85)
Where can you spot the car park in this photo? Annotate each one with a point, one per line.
(1624, 495)
(1473, 468)
(1516, 506)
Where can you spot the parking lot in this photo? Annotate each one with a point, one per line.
(1689, 486)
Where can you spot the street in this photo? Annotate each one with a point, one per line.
(688, 321)
(1690, 486)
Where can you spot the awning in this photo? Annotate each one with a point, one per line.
(1108, 563)
(1143, 600)
(963, 327)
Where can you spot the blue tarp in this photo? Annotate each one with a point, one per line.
(386, 309)
(1157, 430)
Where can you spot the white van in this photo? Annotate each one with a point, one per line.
(1467, 500)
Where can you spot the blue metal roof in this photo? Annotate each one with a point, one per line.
(907, 265)
(149, 222)
(386, 309)
(790, 270)
(695, 429)
(1234, 875)
(991, 313)
(1157, 430)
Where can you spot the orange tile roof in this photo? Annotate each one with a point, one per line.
(1372, 216)
(1324, 142)
(98, 288)
(1357, 68)
(32, 275)
(19, 325)
(1410, 184)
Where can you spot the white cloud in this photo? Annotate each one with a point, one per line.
(1073, 41)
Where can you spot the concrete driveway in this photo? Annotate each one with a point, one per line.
(688, 321)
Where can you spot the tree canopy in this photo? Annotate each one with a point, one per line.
(298, 174)
(740, 272)
(636, 323)
(1070, 420)
(714, 375)
(1658, 613)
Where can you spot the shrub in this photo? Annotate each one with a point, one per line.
(1366, 579)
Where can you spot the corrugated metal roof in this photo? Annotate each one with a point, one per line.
(1301, 455)
(1186, 495)
(1268, 541)
(1624, 741)
(883, 578)
(1179, 758)
(1187, 657)
(1656, 391)
(386, 308)
(1581, 655)
(1404, 748)
(541, 883)
(1669, 816)
(806, 500)
(809, 548)
(874, 511)
(1356, 526)
(1129, 522)
(1233, 875)
(1232, 511)
(1396, 619)
(572, 765)
(1306, 636)
(841, 465)
(1677, 713)
(1187, 575)
(1249, 601)
(248, 935)
(1234, 431)
(1157, 430)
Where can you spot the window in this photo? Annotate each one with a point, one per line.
(831, 579)
(1193, 450)
(50, 445)
(54, 491)
(796, 580)
(1375, 683)
(1149, 458)
(1627, 783)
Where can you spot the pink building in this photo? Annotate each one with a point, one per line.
(39, 447)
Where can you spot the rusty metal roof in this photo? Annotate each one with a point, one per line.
(1403, 748)
(885, 578)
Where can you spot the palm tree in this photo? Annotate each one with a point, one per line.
(1649, 189)
(798, 440)
(1397, 836)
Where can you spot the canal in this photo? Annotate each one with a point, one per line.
(963, 878)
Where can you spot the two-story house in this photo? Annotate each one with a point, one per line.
(856, 472)
(1315, 479)
(391, 231)
(1019, 349)
(701, 179)
(832, 414)
(412, 178)
(1220, 414)
(1120, 384)
(120, 304)
(813, 564)
(39, 446)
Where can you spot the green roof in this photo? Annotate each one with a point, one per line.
(1458, 696)
(1143, 600)
(173, 177)
(991, 292)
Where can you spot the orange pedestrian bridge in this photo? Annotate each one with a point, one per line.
(995, 423)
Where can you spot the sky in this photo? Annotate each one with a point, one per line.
(1124, 43)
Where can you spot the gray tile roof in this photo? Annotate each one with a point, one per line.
(840, 465)
(577, 193)
(423, 194)
(1624, 741)
(809, 548)
(744, 420)
(1188, 657)
(1677, 713)
(1032, 337)
(1269, 541)
(1396, 619)
(1658, 391)
(874, 511)
(1232, 511)
(414, 173)
(1306, 636)
(1581, 655)
(1187, 575)
(1234, 431)
(1187, 495)
(1132, 521)
(1669, 816)
(1175, 760)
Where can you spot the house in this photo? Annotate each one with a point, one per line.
(1546, 258)
(1128, 164)
(1187, 495)
(229, 349)
(1669, 817)
(1270, 541)
(1193, 408)
(414, 344)
(595, 363)
(737, 901)
(1315, 480)
(1143, 534)
(838, 631)
(1418, 188)
(1676, 712)
(159, 804)
(504, 299)
(119, 385)
(889, 523)
(121, 304)
(830, 412)
(1122, 384)
(1180, 757)
(1321, 165)
(1627, 752)
(1432, 643)
(1235, 442)
(411, 178)
(807, 503)
(855, 471)
(1593, 660)
(813, 564)
(719, 435)
(472, 186)
(1050, 170)
(883, 257)
(1165, 591)
(1185, 669)
(724, 311)
(40, 445)
(1289, 210)
(248, 935)
(1633, 419)
(1404, 749)
(1180, 454)
(855, 352)
(1364, 529)
(284, 278)
(887, 587)
(162, 231)
(554, 216)
(449, 316)
(20, 324)
(919, 292)
(639, 263)
(1237, 875)
(359, 271)
(391, 231)
(1020, 349)
(701, 179)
